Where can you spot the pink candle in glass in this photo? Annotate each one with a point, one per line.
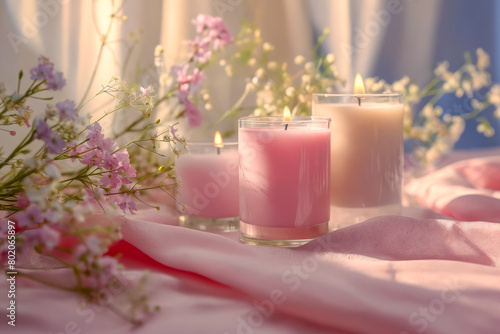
(284, 179)
(208, 195)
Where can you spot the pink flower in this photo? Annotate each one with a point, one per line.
(127, 204)
(92, 157)
(188, 83)
(96, 194)
(123, 163)
(213, 31)
(44, 236)
(22, 201)
(12, 133)
(76, 150)
(144, 91)
(111, 180)
(96, 139)
(201, 22)
(107, 268)
(173, 131)
(193, 114)
(67, 110)
(29, 217)
(200, 49)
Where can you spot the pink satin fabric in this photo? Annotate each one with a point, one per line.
(419, 273)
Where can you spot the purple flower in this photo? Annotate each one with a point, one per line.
(193, 114)
(56, 81)
(29, 217)
(55, 144)
(45, 235)
(42, 130)
(44, 69)
(67, 110)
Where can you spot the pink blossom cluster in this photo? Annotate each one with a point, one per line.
(212, 35)
(29, 219)
(45, 71)
(101, 152)
(97, 269)
(188, 83)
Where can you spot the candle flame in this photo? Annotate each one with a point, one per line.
(287, 116)
(218, 140)
(359, 87)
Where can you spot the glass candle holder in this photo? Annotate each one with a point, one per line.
(284, 180)
(366, 153)
(207, 198)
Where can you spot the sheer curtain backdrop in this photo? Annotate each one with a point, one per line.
(412, 41)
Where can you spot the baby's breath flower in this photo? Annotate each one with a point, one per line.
(485, 129)
(267, 47)
(330, 58)
(309, 66)
(272, 65)
(494, 95)
(483, 59)
(441, 69)
(159, 50)
(299, 59)
(306, 78)
(290, 91)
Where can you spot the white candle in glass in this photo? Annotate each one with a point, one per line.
(366, 153)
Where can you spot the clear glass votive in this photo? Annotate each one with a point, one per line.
(366, 154)
(284, 180)
(207, 198)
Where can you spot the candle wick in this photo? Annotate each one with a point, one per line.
(218, 150)
(286, 126)
(359, 100)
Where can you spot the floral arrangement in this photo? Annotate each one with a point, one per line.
(66, 169)
(431, 131)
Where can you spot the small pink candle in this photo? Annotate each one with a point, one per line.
(208, 194)
(284, 179)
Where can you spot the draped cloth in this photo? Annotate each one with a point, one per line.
(426, 271)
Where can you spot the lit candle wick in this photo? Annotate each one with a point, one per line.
(359, 87)
(218, 142)
(287, 116)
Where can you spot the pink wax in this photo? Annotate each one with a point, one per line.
(284, 176)
(209, 183)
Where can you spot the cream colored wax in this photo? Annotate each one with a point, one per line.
(366, 159)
